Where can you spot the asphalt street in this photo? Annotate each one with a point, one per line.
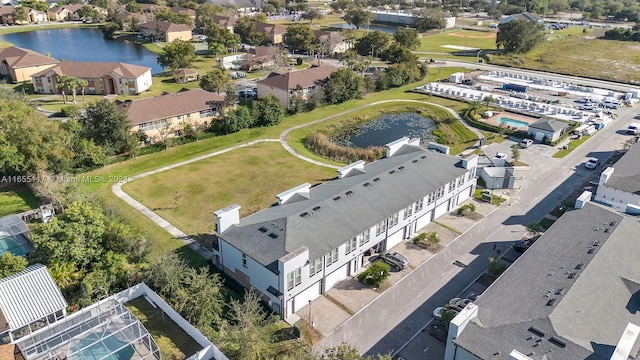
(387, 324)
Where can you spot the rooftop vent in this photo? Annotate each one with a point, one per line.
(273, 236)
(536, 331)
(557, 342)
(337, 198)
(415, 161)
(316, 208)
(367, 184)
(376, 179)
(591, 251)
(263, 229)
(607, 230)
(579, 266)
(595, 243)
(304, 214)
(572, 275)
(613, 223)
(401, 168)
(349, 193)
(559, 291)
(551, 302)
(392, 172)
(423, 157)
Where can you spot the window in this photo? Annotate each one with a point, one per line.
(294, 278)
(440, 192)
(298, 273)
(364, 237)
(315, 267)
(290, 281)
(472, 173)
(419, 205)
(332, 256)
(351, 245)
(460, 180)
(407, 212)
(393, 220)
(432, 198)
(244, 260)
(452, 186)
(381, 227)
(207, 113)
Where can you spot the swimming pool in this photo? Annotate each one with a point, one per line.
(512, 122)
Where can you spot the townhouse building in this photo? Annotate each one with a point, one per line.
(18, 64)
(276, 32)
(619, 185)
(165, 31)
(317, 236)
(302, 82)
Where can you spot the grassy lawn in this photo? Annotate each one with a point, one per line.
(572, 145)
(17, 199)
(174, 343)
(250, 177)
(573, 54)
(495, 200)
(546, 223)
(469, 38)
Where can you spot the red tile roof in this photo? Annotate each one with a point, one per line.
(87, 69)
(170, 105)
(18, 57)
(304, 78)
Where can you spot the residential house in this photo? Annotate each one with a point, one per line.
(276, 32)
(526, 16)
(332, 41)
(572, 295)
(6, 15)
(182, 10)
(260, 57)
(185, 75)
(18, 64)
(164, 116)
(317, 236)
(102, 77)
(548, 129)
(165, 31)
(14, 236)
(123, 17)
(303, 82)
(70, 12)
(619, 185)
(29, 301)
(227, 22)
(36, 16)
(243, 6)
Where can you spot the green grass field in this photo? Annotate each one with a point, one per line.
(465, 38)
(573, 144)
(17, 199)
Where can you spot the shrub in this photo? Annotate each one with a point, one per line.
(420, 238)
(447, 316)
(465, 209)
(376, 274)
(496, 267)
(320, 144)
(70, 111)
(426, 239)
(298, 61)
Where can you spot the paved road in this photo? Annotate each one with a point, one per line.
(392, 319)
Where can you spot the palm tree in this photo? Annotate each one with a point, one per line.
(475, 106)
(62, 83)
(65, 274)
(217, 48)
(83, 85)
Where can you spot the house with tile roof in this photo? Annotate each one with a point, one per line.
(70, 12)
(332, 41)
(102, 77)
(276, 32)
(165, 115)
(619, 184)
(227, 22)
(165, 31)
(547, 128)
(18, 64)
(305, 82)
(574, 294)
(316, 236)
(183, 10)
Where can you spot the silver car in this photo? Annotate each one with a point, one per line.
(395, 259)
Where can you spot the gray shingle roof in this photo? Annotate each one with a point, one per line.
(591, 310)
(333, 215)
(626, 175)
(548, 125)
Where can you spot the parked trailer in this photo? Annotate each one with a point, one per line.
(514, 87)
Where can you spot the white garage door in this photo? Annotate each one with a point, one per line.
(335, 277)
(395, 239)
(465, 194)
(424, 220)
(441, 209)
(302, 299)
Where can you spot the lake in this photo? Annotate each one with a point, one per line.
(391, 127)
(84, 45)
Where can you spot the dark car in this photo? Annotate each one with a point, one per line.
(521, 246)
(394, 259)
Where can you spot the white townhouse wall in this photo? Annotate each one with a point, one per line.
(619, 186)
(143, 82)
(317, 236)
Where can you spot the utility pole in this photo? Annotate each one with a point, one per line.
(372, 52)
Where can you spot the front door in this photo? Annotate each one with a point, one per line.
(289, 307)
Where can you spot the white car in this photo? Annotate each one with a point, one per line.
(632, 129)
(500, 156)
(592, 163)
(525, 143)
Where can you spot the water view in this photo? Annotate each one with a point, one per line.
(84, 45)
(390, 127)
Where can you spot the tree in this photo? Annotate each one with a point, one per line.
(108, 126)
(376, 274)
(204, 15)
(340, 5)
(373, 42)
(515, 152)
(216, 49)
(216, 80)
(429, 18)
(346, 351)
(249, 334)
(312, 14)
(407, 37)
(235, 120)
(269, 111)
(109, 29)
(519, 36)
(65, 274)
(19, 14)
(177, 55)
(397, 53)
(475, 106)
(11, 264)
(133, 7)
(358, 17)
(70, 83)
(87, 12)
(200, 298)
(342, 85)
(534, 228)
(299, 36)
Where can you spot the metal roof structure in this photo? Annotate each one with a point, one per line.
(14, 236)
(104, 330)
(28, 296)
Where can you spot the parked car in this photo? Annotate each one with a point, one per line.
(469, 82)
(592, 163)
(521, 246)
(458, 304)
(395, 259)
(632, 129)
(525, 143)
(500, 156)
(437, 313)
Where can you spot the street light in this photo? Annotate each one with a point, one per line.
(310, 322)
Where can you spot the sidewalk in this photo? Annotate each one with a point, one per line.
(350, 296)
